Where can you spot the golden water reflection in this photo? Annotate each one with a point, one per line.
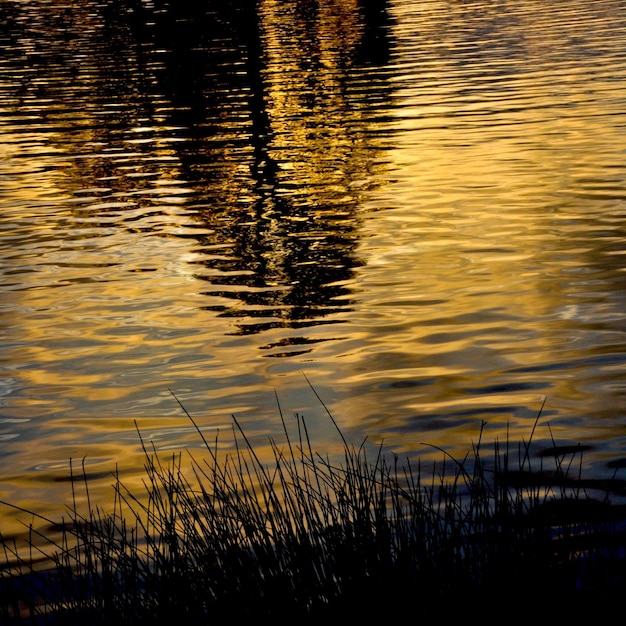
(508, 192)
(419, 205)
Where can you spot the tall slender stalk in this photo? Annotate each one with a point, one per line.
(305, 536)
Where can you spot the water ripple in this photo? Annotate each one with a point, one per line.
(419, 204)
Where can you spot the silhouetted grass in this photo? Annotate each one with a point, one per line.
(305, 538)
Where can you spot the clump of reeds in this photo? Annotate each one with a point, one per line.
(305, 537)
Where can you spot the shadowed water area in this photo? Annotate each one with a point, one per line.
(419, 205)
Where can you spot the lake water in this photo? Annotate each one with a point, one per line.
(420, 206)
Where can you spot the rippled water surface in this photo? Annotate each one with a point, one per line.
(419, 205)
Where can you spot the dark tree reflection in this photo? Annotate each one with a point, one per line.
(270, 110)
(278, 143)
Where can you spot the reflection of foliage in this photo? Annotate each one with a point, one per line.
(305, 276)
(275, 181)
(251, 106)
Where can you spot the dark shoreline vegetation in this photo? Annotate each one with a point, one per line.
(306, 538)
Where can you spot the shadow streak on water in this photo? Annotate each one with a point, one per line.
(275, 150)
(195, 93)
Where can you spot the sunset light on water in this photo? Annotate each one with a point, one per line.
(419, 206)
